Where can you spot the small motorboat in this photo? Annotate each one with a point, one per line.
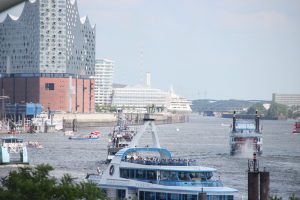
(69, 133)
(94, 135)
(33, 144)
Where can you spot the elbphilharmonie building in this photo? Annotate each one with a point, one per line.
(47, 56)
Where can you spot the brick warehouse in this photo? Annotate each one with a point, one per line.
(55, 93)
(40, 49)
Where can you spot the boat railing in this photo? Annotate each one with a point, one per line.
(93, 177)
(166, 162)
(205, 183)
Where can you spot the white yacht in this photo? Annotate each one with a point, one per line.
(150, 173)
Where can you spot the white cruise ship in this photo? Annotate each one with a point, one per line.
(178, 104)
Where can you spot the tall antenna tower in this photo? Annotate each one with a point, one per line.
(141, 66)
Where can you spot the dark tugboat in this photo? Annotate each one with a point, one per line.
(121, 136)
(245, 135)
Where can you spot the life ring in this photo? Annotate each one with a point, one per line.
(111, 170)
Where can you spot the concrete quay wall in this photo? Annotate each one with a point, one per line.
(102, 120)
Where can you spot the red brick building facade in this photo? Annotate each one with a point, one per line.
(56, 93)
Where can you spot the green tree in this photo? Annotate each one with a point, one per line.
(257, 107)
(293, 197)
(275, 198)
(37, 184)
(277, 110)
(294, 112)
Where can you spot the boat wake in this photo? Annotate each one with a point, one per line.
(247, 149)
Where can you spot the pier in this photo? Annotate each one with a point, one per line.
(258, 181)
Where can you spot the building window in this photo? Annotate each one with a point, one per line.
(49, 86)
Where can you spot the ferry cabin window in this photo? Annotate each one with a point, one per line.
(168, 175)
(201, 175)
(141, 195)
(140, 174)
(184, 176)
(219, 197)
(124, 173)
(188, 197)
(173, 196)
(131, 173)
(161, 196)
(151, 175)
(165, 196)
(127, 173)
(121, 194)
(150, 195)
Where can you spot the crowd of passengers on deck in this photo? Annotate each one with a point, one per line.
(158, 161)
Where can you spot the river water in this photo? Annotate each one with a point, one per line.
(202, 138)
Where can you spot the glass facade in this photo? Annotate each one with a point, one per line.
(47, 37)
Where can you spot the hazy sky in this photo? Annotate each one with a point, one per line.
(206, 49)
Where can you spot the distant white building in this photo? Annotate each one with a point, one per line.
(286, 99)
(104, 70)
(140, 97)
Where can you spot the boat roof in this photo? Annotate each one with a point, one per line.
(129, 165)
(124, 152)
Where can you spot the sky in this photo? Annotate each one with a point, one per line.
(233, 49)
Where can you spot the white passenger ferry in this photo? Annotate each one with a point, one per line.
(150, 173)
(13, 151)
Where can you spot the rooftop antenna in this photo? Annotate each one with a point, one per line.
(148, 79)
(171, 89)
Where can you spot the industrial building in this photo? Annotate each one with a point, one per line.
(286, 99)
